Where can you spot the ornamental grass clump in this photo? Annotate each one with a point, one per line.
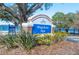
(60, 36)
(27, 40)
(9, 41)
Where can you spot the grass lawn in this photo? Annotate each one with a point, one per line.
(60, 48)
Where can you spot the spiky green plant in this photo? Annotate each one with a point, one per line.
(27, 40)
(9, 41)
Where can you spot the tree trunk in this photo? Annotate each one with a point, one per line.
(21, 28)
(78, 31)
(66, 30)
(59, 29)
(74, 31)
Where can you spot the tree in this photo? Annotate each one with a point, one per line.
(5, 16)
(58, 19)
(21, 11)
(69, 21)
(76, 22)
(64, 20)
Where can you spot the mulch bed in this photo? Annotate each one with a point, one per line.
(60, 48)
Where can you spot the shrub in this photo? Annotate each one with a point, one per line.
(8, 41)
(49, 39)
(59, 36)
(27, 40)
(45, 39)
(23, 39)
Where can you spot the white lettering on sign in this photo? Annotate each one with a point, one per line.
(43, 31)
(42, 27)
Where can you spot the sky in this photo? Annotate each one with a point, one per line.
(65, 8)
(57, 7)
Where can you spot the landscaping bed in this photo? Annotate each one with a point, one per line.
(60, 48)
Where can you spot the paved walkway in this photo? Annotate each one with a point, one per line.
(73, 38)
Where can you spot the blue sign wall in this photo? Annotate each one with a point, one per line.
(41, 29)
(12, 28)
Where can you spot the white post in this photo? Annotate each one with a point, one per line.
(52, 27)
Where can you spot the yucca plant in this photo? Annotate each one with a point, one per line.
(27, 40)
(9, 41)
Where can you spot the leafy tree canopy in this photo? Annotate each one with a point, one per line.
(21, 11)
